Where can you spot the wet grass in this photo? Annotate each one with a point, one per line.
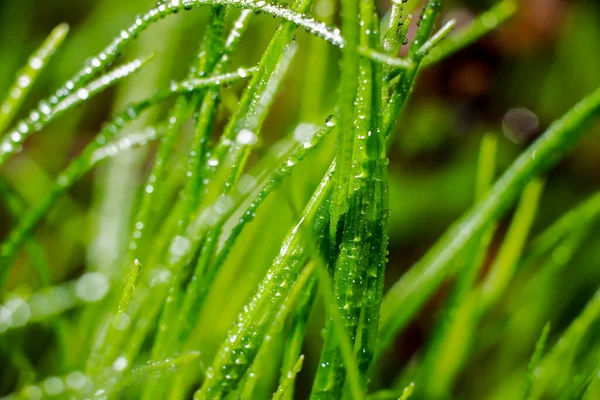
(222, 222)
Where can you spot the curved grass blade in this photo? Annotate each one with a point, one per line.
(555, 367)
(89, 158)
(504, 266)
(409, 293)
(29, 74)
(95, 64)
(48, 112)
(535, 361)
(210, 54)
(585, 213)
(452, 336)
(245, 339)
(403, 88)
(288, 382)
(198, 288)
(197, 229)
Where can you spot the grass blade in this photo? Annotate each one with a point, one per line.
(28, 75)
(408, 294)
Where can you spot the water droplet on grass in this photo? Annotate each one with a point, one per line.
(92, 287)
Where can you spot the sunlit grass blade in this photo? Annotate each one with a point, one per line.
(554, 369)
(47, 112)
(199, 287)
(409, 293)
(503, 268)
(89, 158)
(347, 89)
(29, 74)
(288, 381)
(402, 90)
(535, 361)
(245, 339)
(452, 337)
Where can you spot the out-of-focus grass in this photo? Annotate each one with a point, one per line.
(224, 230)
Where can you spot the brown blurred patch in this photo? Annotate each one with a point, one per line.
(536, 24)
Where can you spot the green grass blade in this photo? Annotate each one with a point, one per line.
(29, 74)
(46, 113)
(89, 158)
(452, 337)
(288, 382)
(408, 294)
(535, 361)
(504, 266)
(245, 339)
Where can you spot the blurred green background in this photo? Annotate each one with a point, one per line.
(544, 60)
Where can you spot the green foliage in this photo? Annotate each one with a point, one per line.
(284, 233)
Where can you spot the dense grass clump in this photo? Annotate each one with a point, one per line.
(228, 262)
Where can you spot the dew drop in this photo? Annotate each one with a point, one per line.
(246, 137)
(92, 286)
(120, 364)
(54, 386)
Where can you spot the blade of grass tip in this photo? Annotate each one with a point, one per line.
(12, 141)
(407, 392)
(504, 266)
(245, 339)
(452, 336)
(482, 25)
(535, 361)
(592, 389)
(555, 366)
(411, 291)
(287, 384)
(257, 369)
(395, 36)
(155, 369)
(29, 74)
(402, 90)
(88, 158)
(293, 346)
(381, 58)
